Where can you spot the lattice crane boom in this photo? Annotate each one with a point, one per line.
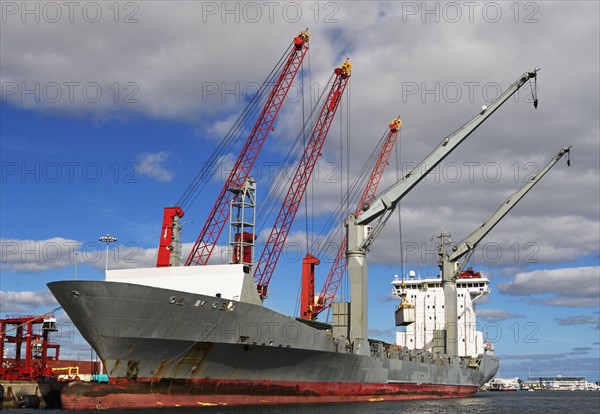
(217, 218)
(270, 255)
(309, 309)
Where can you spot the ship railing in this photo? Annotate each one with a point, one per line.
(391, 351)
(376, 349)
(439, 360)
(342, 345)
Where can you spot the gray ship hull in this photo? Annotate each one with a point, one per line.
(166, 347)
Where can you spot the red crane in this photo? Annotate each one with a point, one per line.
(166, 246)
(274, 246)
(219, 214)
(309, 309)
(31, 333)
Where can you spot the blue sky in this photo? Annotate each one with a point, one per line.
(105, 119)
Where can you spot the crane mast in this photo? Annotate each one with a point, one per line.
(359, 235)
(449, 263)
(217, 218)
(169, 247)
(268, 260)
(309, 309)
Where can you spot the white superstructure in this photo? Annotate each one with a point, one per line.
(228, 281)
(427, 297)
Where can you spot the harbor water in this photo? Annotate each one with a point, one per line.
(542, 402)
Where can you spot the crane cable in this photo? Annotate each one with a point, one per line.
(346, 288)
(342, 195)
(304, 144)
(216, 158)
(226, 145)
(398, 168)
(277, 187)
(231, 137)
(297, 307)
(328, 236)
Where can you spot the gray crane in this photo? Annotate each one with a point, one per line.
(360, 235)
(450, 264)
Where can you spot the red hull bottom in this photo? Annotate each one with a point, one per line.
(196, 393)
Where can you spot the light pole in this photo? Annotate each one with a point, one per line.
(76, 260)
(107, 239)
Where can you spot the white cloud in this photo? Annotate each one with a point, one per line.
(134, 257)
(173, 68)
(574, 363)
(153, 69)
(580, 320)
(579, 286)
(17, 302)
(38, 255)
(57, 253)
(152, 165)
(495, 315)
(518, 240)
(171, 59)
(129, 256)
(534, 356)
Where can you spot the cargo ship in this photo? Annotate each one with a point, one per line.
(200, 336)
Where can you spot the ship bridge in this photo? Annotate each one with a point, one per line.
(475, 285)
(427, 297)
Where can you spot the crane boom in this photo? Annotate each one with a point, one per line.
(359, 236)
(217, 218)
(473, 239)
(338, 268)
(449, 263)
(388, 201)
(382, 161)
(287, 213)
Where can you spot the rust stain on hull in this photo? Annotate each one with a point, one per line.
(148, 393)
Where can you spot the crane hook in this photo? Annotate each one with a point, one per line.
(534, 92)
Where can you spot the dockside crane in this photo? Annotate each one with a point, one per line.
(309, 308)
(360, 235)
(169, 250)
(274, 245)
(451, 264)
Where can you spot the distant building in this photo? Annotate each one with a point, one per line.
(503, 384)
(561, 383)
